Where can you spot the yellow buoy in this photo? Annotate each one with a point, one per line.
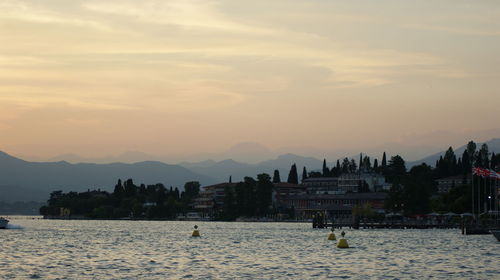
(342, 243)
(196, 232)
(332, 236)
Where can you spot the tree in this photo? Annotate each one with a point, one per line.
(263, 193)
(345, 165)
(335, 172)
(394, 201)
(276, 176)
(228, 209)
(191, 190)
(315, 174)
(375, 165)
(483, 157)
(142, 189)
(466, 163)
(384, 160)
(118, 189)
(494, 161)
(366, 164)
(471, 151)
(352, 166)
(293, 177)
(326, 171)
(245, 197)
(130, 188)
(396, 168)
(304, 173)
(450, 162)
(360, 161)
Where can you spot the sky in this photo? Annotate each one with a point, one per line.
(178, 78)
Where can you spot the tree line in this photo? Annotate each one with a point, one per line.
(126, 201)
(412, 191)
(250, 198)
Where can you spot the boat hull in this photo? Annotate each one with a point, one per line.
(496, 233)
(3, 223)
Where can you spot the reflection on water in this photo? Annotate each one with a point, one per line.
(53, 249)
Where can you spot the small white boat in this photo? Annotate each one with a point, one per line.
(496, 233)
(3, 222)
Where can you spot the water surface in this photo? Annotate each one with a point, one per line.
(75, 249)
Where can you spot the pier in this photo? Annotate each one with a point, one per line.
(386, 225)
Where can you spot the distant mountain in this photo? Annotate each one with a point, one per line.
(493, 146)
(221, 170)
(285, 162)
(23, 180)
(126, 157)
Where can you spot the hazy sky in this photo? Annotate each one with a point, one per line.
(183, 77)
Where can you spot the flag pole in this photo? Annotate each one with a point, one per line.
(472, 187)
(479, 198)
(490, 196)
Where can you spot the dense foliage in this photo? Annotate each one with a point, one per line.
(127, 201)
(250, 198)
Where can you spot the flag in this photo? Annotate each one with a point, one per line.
(483, 172)
(494, 175)
(480, 172)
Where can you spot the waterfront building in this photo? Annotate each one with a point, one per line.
(321, 185)
(350, 182)
(375, 182)
(336, 206)
(283, 190)
(211, 198)
(346, 183)
(447, 183)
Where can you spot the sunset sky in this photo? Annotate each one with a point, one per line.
(174, 78)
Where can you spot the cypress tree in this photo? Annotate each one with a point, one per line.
(493, 161)
(325, 169)
(360, 161)
(293, 177)
(276, 176)
(375, 164)
(118, 188)
(304, 174)
(466, 166)
(384, 161)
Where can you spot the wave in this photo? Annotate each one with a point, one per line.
(11, 226)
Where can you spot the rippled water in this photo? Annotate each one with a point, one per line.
(56, 249)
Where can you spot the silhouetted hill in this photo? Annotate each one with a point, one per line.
(493, 145)
(23, 180)
(221, 170)
(286, 160)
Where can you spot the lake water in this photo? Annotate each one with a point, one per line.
(60, 249)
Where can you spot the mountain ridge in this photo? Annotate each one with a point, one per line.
(493, 146)
(45, 177)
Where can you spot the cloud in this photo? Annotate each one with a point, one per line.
(186, 13)
(29, 11)
(455, 30)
